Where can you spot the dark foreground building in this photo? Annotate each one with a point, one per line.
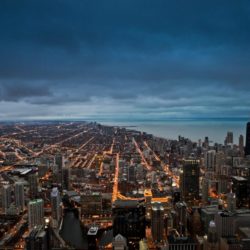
(247, 148)
(129, 220)
(190, 180)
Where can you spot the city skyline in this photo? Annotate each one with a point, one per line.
(124, 60)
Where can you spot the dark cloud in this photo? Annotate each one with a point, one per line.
(141, 55)
(17, 91)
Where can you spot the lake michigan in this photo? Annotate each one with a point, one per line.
(194, 129)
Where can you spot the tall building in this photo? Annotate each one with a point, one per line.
(119, 243)
(229, 138)
(33, 186)
(181, 218)
(91, 203)
(131, 173)
(219, 162)
(129, 219)
(247, 148)
(157, 221)
(6, 197)
(148, 199)
(19, 196)
(190, 180)
(231, 202)
(209, 160)
(224, 221)
(206, 142)
(37, 239)
(55, 205)
(205, 189)
(36, 213)
(241, 143)
(92, 237)
(59, 161)
(66, 178)
(240, 188)
(212, 241)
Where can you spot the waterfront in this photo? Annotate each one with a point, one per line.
(193, 129)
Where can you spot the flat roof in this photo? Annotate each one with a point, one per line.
(93, 230)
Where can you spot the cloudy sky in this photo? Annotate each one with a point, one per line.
(124, 59)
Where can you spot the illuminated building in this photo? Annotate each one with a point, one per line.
(229, 138)
(148, 199)
(211, 240)
(157, 221)
(240, 188)
(209, 160)
(66, 178)
(181, 217)
(241, 143)
(33, 186)
(19, 196)
(55, 205)
(92, 238)
(36, 213)
(129, 219)
(91, 203)
(37, 239)
(190, 180)
(231, 202)
(119, 243)
(6, 197)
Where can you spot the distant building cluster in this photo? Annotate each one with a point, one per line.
(79, 185)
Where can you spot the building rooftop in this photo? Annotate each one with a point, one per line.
(239, 178)
(245, 231)
(93, 230)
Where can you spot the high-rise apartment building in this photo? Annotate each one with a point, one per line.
(157, 221)
(19, 196)
(241, 143)
(33, 186)
(36, 213)
(209, 160)
(6, 197)
(55, 204)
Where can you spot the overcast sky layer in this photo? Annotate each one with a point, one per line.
(124, 59)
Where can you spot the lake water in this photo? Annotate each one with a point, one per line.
(194, 129)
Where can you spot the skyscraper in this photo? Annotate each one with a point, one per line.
(190, 180)
(241, 143)
(157, 221)
(37, 239)
(240, 188)
(59, 161)
(231, 202)
(33, 186)
(19, 196)
(6, 197)
(36, 213)
(209, 160)
(212, 241)
(129, 219)
(229, 138)
(55, 205)
(247, 148)
(66, 178)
